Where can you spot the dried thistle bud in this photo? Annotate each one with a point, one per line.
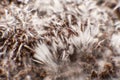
(94, 74)
(117, 11)
(108, 66)
(104, 75)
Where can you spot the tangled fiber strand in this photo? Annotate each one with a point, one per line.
(59, 40)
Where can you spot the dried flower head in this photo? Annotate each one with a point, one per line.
(59, 39)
